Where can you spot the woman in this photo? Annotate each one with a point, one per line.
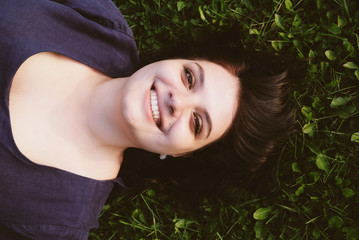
(66, 121)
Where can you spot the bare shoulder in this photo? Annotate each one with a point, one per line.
(46, 66)
(44, 100)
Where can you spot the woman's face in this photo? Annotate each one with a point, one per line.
(178, 106)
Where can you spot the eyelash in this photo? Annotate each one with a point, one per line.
(197, 124)
(191, 80)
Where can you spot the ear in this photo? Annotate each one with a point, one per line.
(183, 155)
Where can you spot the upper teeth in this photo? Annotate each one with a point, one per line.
(154, 107)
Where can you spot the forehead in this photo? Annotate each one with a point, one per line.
(220, 96)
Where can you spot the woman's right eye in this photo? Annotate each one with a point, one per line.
(189, 78)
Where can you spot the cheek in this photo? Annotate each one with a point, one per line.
(179, 141)
(170, 77)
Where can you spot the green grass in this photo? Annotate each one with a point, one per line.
(314, 192)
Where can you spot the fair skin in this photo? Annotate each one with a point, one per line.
(67, 115)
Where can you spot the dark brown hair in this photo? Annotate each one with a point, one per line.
(264, 117)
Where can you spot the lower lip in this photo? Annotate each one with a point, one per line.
(147, 105)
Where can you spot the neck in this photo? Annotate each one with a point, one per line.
(89, 119)
(104, 114)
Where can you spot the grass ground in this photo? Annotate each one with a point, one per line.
(315, 184)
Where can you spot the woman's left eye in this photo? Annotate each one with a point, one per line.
(197, 124)
(190, 78)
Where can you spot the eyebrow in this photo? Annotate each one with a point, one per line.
(207, 117)
(209, 123)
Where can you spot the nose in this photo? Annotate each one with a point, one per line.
(179, 102)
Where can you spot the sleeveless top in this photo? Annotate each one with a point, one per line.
(36, 201)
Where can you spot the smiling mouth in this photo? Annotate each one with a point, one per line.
(154, 107)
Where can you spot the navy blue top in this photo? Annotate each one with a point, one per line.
(36, 201)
